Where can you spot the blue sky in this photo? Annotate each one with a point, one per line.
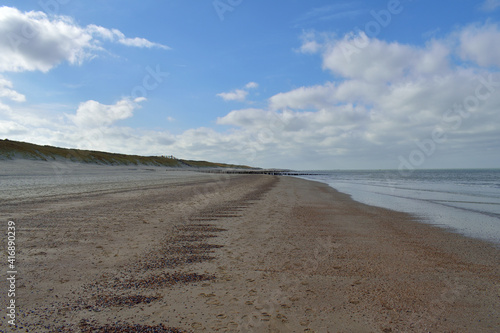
(292, 84)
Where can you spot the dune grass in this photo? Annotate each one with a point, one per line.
(15, 149)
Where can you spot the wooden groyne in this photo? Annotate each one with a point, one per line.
(273, 172)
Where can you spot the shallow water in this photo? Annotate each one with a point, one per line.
(464, 201)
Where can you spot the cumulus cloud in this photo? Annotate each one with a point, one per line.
(305, 97)
(252, 85)
(313, 42)
(235, 95)
(33, 41)
(310, 47)
(480, 44)
(239, 95)
(10, 128)
(7, 91)
(94, 114)
(382, 104)
(386, 98)
(374, 60)
(93, 126)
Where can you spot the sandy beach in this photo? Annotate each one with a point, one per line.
(240, 253)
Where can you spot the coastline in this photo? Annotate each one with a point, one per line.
(265, 253)
(462, 201)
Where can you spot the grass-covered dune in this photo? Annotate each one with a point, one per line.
(15, 149)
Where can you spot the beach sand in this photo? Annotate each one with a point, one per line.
(246, 253)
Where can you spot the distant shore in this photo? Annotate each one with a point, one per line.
(202, 253)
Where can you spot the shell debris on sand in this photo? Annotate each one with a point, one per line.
(163, 280)
(119, 327)
(107, 301)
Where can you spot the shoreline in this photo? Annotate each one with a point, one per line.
(443, 212)
(259, 253)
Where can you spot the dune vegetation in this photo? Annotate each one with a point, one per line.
(15, 149)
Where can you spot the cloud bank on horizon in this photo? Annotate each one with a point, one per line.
(337, 86)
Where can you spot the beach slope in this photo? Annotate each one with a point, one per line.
(243, 253)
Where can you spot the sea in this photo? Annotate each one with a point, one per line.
(465, 201)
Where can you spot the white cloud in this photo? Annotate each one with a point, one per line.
(32, 41)
(374, 110)
(480, 44)
(305, 97)
(92, 126)
(4, 107)
(246, 118)
(252, 85)
(10, 128)
(490, 5)
(235, 95)
(312, 42)
(94, 114)
(115, 35)
(7, 91)
(239, 95)
(310, 47)
(374, 60)
(386, 97)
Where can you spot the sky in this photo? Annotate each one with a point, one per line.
(295, 84)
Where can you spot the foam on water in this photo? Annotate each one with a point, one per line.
(464, 201)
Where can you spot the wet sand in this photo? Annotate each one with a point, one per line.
(242, 253)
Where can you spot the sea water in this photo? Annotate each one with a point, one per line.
(464, 201)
